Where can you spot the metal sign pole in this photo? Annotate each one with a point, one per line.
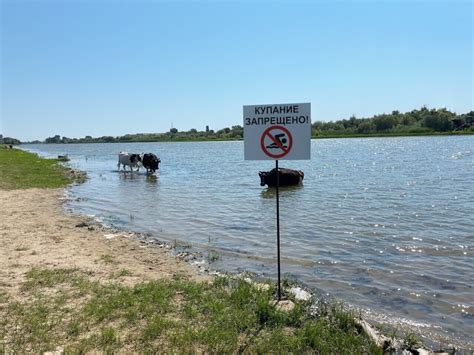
(278, 225)
(284, 135)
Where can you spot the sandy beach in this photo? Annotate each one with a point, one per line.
(36, 232)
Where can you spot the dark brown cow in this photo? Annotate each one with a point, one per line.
(287, 177)
(151, 162)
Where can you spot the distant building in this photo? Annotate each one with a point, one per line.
(207, 129)
(1, 138)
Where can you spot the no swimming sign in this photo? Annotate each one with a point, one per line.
(277, 132)
(274, 132)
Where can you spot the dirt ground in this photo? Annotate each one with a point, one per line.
(35, 231)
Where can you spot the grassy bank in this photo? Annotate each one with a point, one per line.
(22, 170)
(64, 308)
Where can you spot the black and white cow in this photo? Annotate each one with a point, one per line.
(286, 177)
(131, 160)
(151, 162)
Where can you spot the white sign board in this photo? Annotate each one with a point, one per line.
(277, 132)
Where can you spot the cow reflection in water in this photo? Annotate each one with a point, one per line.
(151, 179)
(287, 177)
(129, 176)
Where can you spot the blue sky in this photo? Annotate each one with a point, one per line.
(108, 67)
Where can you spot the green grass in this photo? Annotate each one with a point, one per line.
(23, 170)
(107, 259)
(63, 307)
(120, 273)
(40, 278)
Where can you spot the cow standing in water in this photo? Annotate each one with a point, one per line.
(287, 177)
(131, 160)
(151, 162)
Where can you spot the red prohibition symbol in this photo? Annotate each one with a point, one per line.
(276, 141)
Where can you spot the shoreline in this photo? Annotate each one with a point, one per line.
(193, 255)
(37, 232)
(391, 334)
(52, 237)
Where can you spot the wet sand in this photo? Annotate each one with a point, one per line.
(36, 232)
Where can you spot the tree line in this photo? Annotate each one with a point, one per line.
(234, 133)
(416, 122)
(422, 121)
(9, 140)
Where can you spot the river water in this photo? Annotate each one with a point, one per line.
(384, 224)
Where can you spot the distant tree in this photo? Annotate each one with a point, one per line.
(223, 133)
(317, 126)
(384, 122)
(440, 121)
(237, 131)
(10, 140)
(126, 138)
(108, 139)
(470, 117)
(52, 140)
(173, 130)
(367, 126)
(333, 126)
(407, 120)
(353, 122)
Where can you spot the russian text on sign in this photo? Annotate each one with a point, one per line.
(276, 120)
(295, 118)
(260, 110)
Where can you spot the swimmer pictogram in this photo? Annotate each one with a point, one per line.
(276, 141)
